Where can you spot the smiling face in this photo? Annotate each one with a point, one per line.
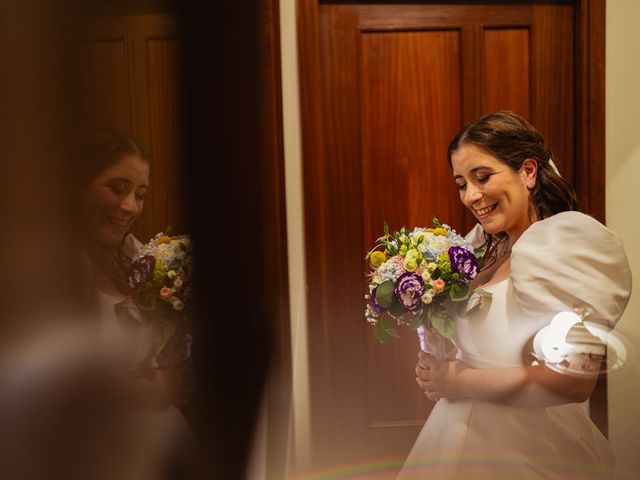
(115, 199)
(496, 195)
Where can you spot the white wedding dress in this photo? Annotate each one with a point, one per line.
(559, 263)
(165, 431)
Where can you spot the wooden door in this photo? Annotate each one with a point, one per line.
(385, 87)
(131, 79)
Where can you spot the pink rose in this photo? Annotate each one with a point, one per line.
(165, 292)
(438, 285)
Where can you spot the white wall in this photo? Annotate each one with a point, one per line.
(623, 177)
(301, 452)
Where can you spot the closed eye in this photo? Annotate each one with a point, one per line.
(461, 186)
(117, 188)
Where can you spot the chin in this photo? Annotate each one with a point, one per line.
(110, 238)
(492, 228)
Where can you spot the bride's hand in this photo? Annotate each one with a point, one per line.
(437, 378)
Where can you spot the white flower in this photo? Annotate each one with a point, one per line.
(434, 246)
(178, 283)
(371, 315)
(427, 297)
(177, 305)
(421, 237)
(389, 270)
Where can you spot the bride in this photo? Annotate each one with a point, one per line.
(498, 415)
(116, 180)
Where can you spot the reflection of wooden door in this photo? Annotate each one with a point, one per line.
(385, 87)
(131, 82)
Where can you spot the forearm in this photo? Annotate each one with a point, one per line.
(533, 386)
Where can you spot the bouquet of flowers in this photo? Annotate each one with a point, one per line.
(415, 276)
(161, 277)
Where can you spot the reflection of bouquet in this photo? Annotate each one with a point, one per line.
(415, 274)
(161, 277)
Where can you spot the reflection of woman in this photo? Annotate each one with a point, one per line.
(498, 416)
(116, 177)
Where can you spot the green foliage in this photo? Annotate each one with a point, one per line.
(397, 309)
(444, 324)
(163, 332)
(444, 265)
(384, 330)
(384, 294)
(459, 292)
(476, 299)
(418, 319)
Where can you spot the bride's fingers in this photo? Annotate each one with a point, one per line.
(434, 397)
(422, 372)
(426, 360)
(427, 386)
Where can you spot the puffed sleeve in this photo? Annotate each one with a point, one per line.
(567, 261)
(475, 236)
(131, 245)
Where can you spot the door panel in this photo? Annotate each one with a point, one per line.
(131, 78)
(506, 70)
(411, 104)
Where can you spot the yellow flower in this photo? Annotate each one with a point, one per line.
(403, 250)
(440, 231)
(163, 239)
(411, 260)
(410, 264)
(378, 258)
(444, 264)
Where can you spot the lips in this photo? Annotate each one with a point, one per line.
(484, 212)
(120, 222)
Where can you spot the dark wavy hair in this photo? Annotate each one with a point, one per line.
(511, 139)
(106, 147)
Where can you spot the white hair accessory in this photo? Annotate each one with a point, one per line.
(553, 167)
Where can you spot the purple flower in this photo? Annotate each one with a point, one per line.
(409, 289)
(463, 261)
(186, 293)
(141, 271)
(374, 302)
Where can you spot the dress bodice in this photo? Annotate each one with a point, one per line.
(129, 343)
(497, 333)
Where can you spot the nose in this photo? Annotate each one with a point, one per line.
(472, 195)
(129, 204)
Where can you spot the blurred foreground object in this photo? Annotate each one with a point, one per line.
(64, 416)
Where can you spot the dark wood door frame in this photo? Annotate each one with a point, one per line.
(589, 176)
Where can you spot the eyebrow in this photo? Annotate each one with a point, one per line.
(473, 170)
(126, 180)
